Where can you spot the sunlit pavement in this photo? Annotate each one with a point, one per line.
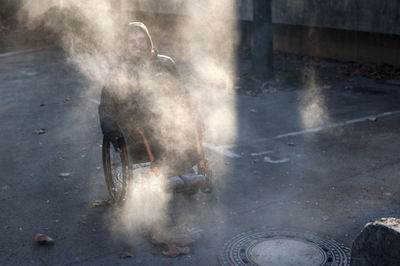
(317, 158)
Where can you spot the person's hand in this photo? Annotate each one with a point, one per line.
(116, 139)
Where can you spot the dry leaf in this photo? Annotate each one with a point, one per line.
(43, 239)
(174, 251)
(40, 131)
(99, 203)
(125, 254)
(182, 242)
(253, 110)
(157, 241)
(66, 100)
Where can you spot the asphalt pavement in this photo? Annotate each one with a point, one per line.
(319, 154)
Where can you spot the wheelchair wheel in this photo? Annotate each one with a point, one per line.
(116, 170)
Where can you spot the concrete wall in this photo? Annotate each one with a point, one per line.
(349, 30)
(337, 44)
(379, 16)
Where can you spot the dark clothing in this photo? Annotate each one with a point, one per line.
(115, 104)
(152, 99)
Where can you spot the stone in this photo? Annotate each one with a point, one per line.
(377, 244)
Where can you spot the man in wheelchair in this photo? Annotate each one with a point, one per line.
(148, 116)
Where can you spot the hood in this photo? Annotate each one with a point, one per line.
(132, 26)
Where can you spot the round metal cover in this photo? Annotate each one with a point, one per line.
(283, 247)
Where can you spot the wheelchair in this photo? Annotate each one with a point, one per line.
(136, 160)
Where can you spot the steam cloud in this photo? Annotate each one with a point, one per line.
(312, 102)
(89, 32)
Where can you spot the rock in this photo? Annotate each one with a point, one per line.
(42, 239)
(377, 244)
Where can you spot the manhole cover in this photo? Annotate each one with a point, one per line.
(283, 247)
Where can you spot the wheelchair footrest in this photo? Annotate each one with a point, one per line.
(185, 182)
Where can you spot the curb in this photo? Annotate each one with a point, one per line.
(26, 51)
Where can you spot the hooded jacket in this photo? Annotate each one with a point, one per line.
(139, 99)
(117, 108)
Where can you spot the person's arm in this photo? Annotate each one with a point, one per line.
(192, 103)
(168, 65)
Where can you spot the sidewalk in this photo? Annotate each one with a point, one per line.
(315, 150)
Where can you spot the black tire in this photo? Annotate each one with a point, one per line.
(117, 169)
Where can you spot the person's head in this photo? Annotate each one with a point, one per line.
(139, 42)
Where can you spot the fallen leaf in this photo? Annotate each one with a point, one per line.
(158, 241)
(125, 254)
(99, 203)
(66, 100)
(372, 119)
(179, 242)
(174, 251)
(182, 242)
(40, 131)
(42, 239)
(64, 174)
(253, 110)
